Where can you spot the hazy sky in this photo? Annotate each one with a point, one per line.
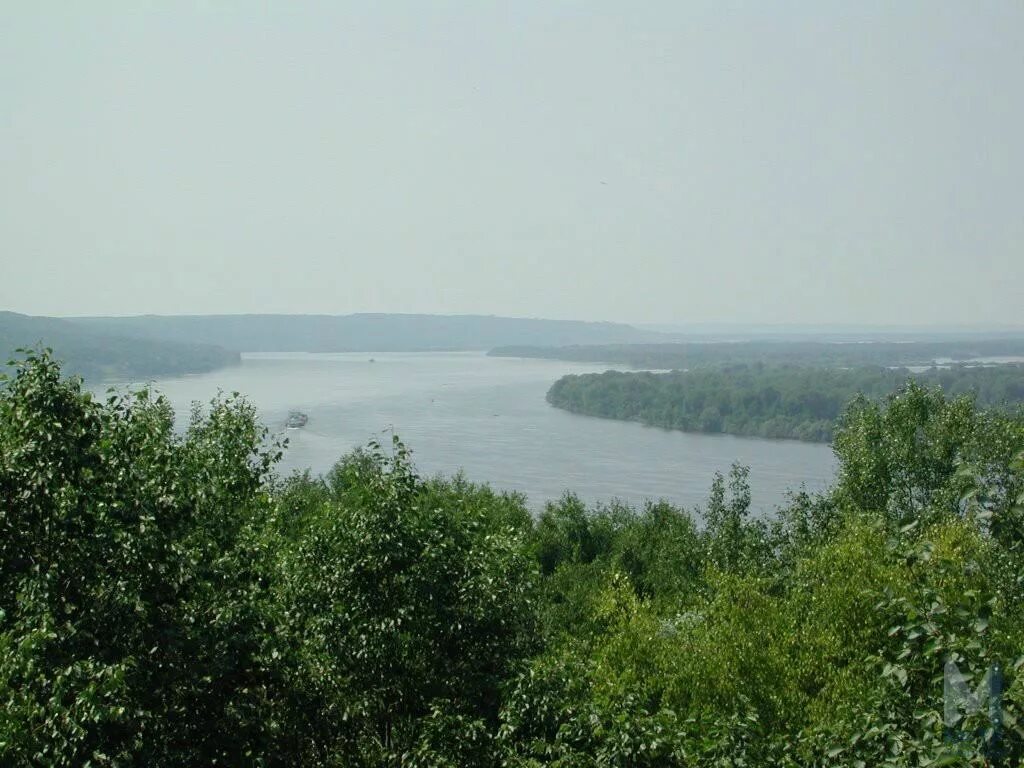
(806, 162)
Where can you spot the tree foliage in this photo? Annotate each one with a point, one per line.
(803, 403)
(166, 599)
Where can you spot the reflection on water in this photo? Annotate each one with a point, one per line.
(488, 417)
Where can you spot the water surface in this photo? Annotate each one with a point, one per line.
(488, 417)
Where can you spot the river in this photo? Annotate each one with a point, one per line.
(488, 417)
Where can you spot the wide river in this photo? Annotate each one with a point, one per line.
(488, 417)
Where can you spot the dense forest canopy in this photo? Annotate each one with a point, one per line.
(825, 354)
(767, 401)
(166, 599)
(98, 354)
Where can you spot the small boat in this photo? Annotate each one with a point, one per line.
(296, 420)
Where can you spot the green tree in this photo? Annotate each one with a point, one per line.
(729, 536)
(904, 457)
(125, 625)
(403, 606)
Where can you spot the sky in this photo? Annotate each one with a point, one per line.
(661, 162)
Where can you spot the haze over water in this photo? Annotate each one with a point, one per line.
(488, 417)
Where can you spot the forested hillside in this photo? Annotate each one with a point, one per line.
(365, 332)
(96, 354)
(767, 401)
(165, 599)
(824, 354)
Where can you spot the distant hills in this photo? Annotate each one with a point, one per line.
(159, 345)
(146, 346)
(365, 332)
(95, 353)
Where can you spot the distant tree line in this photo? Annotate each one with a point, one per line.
(98, 355)
(825, 354)
(167, 600)
(364, 332)
(770, 401)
